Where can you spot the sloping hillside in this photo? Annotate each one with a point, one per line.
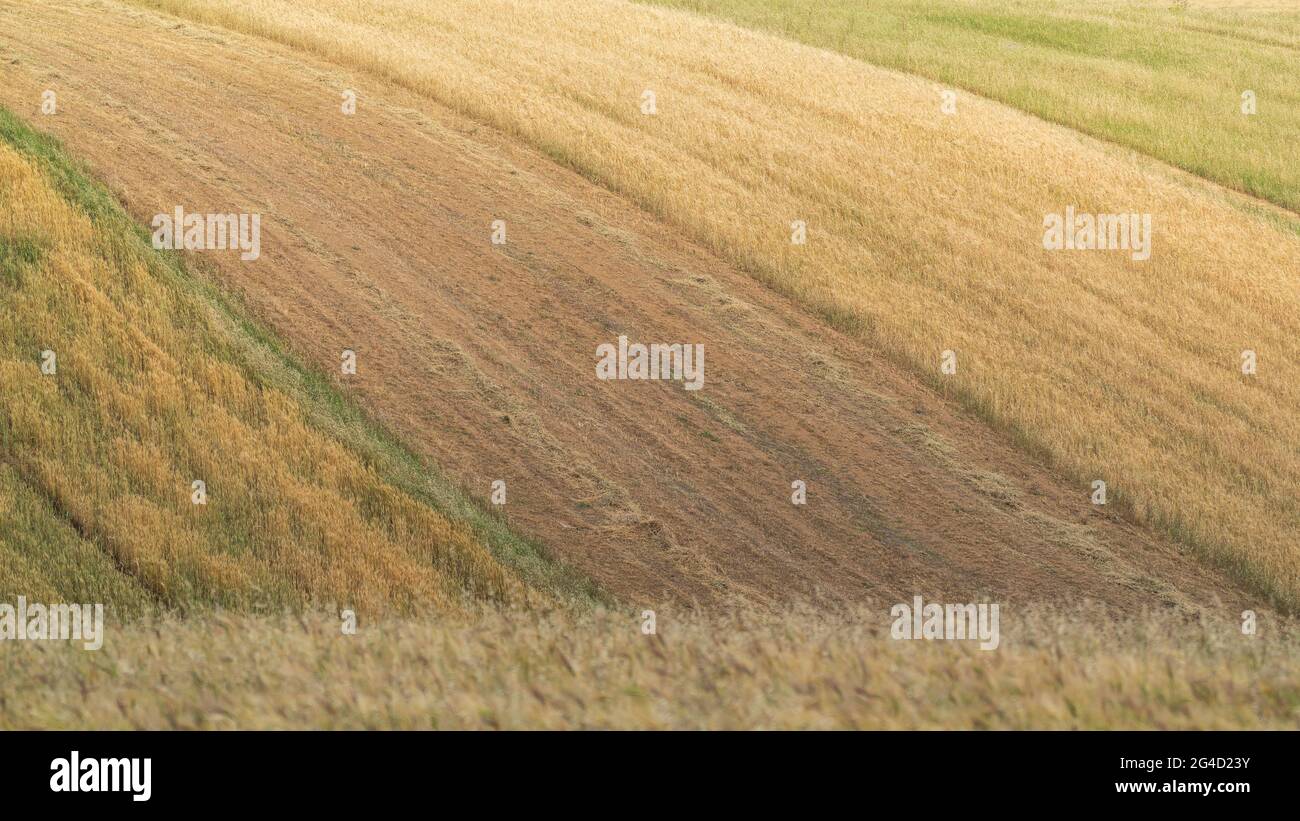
(925, 235)
(126, 381)
(1211, 86)
(377, 238)
(178, 440)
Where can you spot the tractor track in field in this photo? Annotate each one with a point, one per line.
(376, 237)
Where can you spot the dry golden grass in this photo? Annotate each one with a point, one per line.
(44, 558)
(741, 670)
(1148, 74)
(925, 234)
(157, 386)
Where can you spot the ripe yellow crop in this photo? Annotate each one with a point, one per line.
(123, 385)
(924, 234)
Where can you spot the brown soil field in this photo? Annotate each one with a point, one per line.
(376, 237)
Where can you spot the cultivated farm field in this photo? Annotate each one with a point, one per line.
(845, 205)
(745, 669)
(925, 234)
(1151, 75)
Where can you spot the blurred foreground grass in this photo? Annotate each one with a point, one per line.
(743, 669)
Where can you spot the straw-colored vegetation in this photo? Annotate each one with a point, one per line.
(156, 383)
(1164, 79)
(740, 670)
(925, 233)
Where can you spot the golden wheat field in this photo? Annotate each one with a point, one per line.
(924, 234)
(795, 669)
(909, 388)
(112, 437)
(1166, 79)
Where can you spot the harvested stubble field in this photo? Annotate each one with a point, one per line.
(925, 234)
(376, 239)
(127, 380)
